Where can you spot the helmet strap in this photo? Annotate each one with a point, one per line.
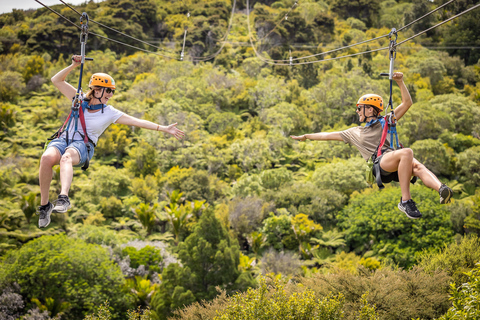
(99, 98)
(365, 116)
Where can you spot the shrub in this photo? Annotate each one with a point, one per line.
(454, 259)
(272, 302)
(397, 294)
(66, 270)
(465, 298)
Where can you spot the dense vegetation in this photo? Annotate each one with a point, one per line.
(239, 220)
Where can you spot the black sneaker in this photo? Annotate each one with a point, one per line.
(445, 194)
(44, 212)
(62, 204)
(410, 209)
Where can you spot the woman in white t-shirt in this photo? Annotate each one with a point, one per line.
(69, 149)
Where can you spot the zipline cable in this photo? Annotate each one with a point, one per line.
(100, 36)
(425, 15)
(290, 60)
(112, 29)
(213, 55)
(274, 62)
(285, 17)
(439, 24)
(194, 58)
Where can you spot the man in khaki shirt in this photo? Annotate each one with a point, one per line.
(395, 165)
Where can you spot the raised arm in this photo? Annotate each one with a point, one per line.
(406, 98)
(319, 136)
(132, 121)
(59, 79)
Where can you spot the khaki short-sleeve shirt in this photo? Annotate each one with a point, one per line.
(366, 139)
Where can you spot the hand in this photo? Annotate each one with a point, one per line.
(300, 138)
(174, 131)
(76, 60)
(398, 76)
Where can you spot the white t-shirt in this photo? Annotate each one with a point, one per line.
(96, 123)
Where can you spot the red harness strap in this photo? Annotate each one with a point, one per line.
(382, 140)
(82, 121)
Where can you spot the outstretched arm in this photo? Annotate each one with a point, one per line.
(132, 121)
(59, 79)
(406, 98)
(319, 136)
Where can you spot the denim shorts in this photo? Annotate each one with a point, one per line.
(61, 145)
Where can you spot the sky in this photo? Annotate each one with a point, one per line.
(9, 5)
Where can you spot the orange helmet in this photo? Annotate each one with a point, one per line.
(101, 80)
(372, 100)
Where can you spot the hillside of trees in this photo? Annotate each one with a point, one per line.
(238, 220)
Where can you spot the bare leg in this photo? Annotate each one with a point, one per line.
(68, 160)
(427, 176)
(50, 158)
(401, 161)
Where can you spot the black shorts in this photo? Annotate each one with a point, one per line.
(385, 175)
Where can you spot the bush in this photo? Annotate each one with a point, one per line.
(66, 270)
(272, 302)
(149, 256)
(372, 221)
(454, 259)
(397, 294)
(465, 298)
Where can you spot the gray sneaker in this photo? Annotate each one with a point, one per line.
(62, 204)
(445, 194)
(44, 212)
(410, 209)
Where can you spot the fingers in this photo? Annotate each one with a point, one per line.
(179, 134)
(398, 76)
(300, 138)
(76, 59)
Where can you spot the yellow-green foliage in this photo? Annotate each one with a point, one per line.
(271, 301)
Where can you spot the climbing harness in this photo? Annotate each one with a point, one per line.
(78, 104)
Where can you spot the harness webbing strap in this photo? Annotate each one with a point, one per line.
(84, 127)
(382, 140)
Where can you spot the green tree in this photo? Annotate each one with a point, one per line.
(29, 205)
(345, 176)
(177, 214)
(146, 214)
(455, 258)
(143, 159)
(11, 85)
(433, 155)
(210, 258)
(468, 166)
(363, 10)
(372, 221)
(66, 270)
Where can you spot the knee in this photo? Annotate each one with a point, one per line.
(407, 153)
(48, 160)
(66, 159)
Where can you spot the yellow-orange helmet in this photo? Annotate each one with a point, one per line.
(101, 80)
(372, 100)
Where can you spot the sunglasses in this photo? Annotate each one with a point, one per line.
(361, 106)
(108, 90)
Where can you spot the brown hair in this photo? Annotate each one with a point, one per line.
(89, 94)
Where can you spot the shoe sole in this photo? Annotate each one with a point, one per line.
(401, 209)
(445, 198)
(62, 211)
